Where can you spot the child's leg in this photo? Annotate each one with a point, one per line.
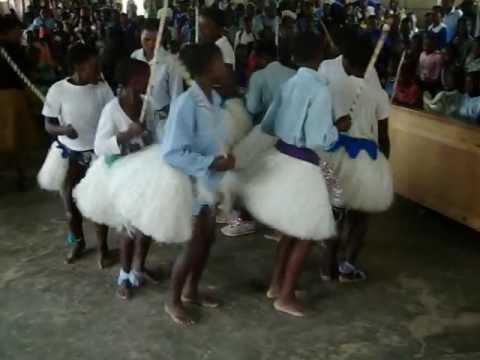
(126, 256)
(182, 269)
(142, 247)
(191, 292)
(282, 253)
(329, 259)
(356, 229)
(287, 301)
(75, 220)
(102, 244)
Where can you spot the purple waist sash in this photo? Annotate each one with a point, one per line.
(299, 153)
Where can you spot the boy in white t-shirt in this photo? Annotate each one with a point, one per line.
(72, 110)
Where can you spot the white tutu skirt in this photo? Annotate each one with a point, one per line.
(367, 184)
(288, 195)
(252, 146)
(139, 191)
(53, 172)
(237, 121)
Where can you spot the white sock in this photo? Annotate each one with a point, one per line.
(122, 276)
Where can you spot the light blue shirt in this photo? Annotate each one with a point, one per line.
(469, 110)
(451, 22)
(301, 113)
(194, 134)
(263, 86)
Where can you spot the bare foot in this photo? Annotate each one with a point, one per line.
(124, 291)
(273, 292)
(291, 307)
(203, 300)
(178, 314)
(75, 252)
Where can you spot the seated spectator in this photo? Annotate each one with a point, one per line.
(430, 65)
(44, 21)
(407, 90)
(469, 109)
(450, 61)
(472, 62)
(451, 16)
(463, 40)
(245, 36)
(446, 102)
(438, 29)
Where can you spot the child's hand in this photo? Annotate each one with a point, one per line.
(135, 129)
(223, 163)
(344, 123)
(70, 132)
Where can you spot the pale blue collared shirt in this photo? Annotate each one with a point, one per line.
(194, 135)
(301, 113)
(263, 86)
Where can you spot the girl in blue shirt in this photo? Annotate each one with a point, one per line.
(193, 144)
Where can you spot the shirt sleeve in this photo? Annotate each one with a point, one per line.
(320, 133)
(178, 139)
(254, 95)
(53, 102)
(106, 137)
(383, 106)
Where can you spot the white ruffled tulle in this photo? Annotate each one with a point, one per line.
(139, 191)
(367, 184)
(288, 195)
(53, 172)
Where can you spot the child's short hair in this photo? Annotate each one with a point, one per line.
(79, 53)
(215, 15)
(266, 48)
(357, 49)
(128, 68)
(150, 25)
(307, 46)
(197, 57)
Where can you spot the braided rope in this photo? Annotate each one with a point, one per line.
(21, 75)
(397, 74)
(371, 64)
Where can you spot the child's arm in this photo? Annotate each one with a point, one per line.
(254, 95)
(178, 141)
(52, 113)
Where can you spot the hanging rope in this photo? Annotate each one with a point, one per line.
(21, 75)
(397, 74)
(153, 62)
(371, 65)
(328, 36)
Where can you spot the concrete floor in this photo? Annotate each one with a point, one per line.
(422, 300)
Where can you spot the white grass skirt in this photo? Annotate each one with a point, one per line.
(252, 146)
(237, 121)
(93, 196)
(288, 195)
(53, 172)
(367, 184)
(154, 197)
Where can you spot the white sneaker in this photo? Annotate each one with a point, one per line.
(224, 218)
(239, 227)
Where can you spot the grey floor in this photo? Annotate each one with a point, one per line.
(422, 300)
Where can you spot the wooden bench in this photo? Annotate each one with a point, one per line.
(436, 163)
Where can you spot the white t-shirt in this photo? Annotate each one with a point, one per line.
(112, 122)
(244, 38)
(168, 83)
(373, 103)
(79, 106)
(227, 51)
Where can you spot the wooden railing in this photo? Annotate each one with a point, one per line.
(436, 163)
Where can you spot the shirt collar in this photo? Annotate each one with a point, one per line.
(312, 74)
(202, 100)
